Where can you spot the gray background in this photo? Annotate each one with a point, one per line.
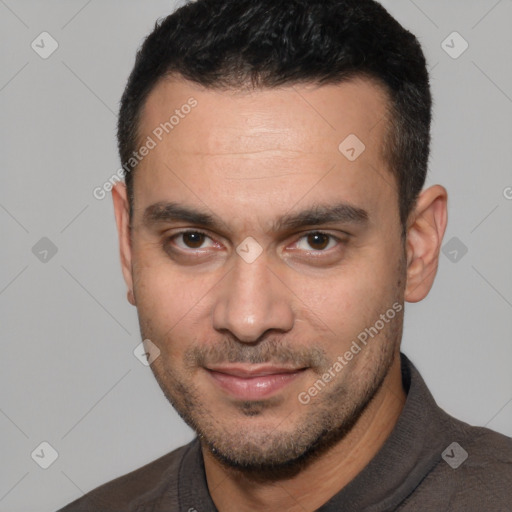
(68, 373)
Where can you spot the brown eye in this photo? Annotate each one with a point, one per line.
(318, 241)
(191, 245)
(193, 239)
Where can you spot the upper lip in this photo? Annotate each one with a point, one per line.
(246, 372)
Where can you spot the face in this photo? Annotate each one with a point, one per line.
(262, 255)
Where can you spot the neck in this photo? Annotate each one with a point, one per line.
(233, 491)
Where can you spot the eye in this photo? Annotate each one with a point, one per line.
(192, 240)
(317, 241)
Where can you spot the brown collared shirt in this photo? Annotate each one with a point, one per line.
(430, 462)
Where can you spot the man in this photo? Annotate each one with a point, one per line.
(272, 226)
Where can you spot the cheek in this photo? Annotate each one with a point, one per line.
(350, 298)
(174, 307)
(163, 299)
(159, 289)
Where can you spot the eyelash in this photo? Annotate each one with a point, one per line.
(305, 235)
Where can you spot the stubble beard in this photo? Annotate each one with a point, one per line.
(282, 451)
(278, 452)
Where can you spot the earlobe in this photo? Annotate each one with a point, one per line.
(122, 213)
(424, 238)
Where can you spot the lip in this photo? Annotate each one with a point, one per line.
(254, 382)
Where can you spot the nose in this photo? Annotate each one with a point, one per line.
(251, 301)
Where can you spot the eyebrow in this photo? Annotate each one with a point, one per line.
(343, 213)
(167, 212)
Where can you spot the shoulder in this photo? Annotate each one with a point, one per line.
(474, 472)
(478, 448)
(489, 459)
(131, 491)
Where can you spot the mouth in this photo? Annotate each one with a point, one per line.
(253, 382)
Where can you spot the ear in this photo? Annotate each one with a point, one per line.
(426, 227)
(122, 212)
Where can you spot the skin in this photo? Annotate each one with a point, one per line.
(248, 159)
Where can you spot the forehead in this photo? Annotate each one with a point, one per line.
(265, 144)
(305, 112)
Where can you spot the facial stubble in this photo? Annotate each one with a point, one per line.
(282, 450)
